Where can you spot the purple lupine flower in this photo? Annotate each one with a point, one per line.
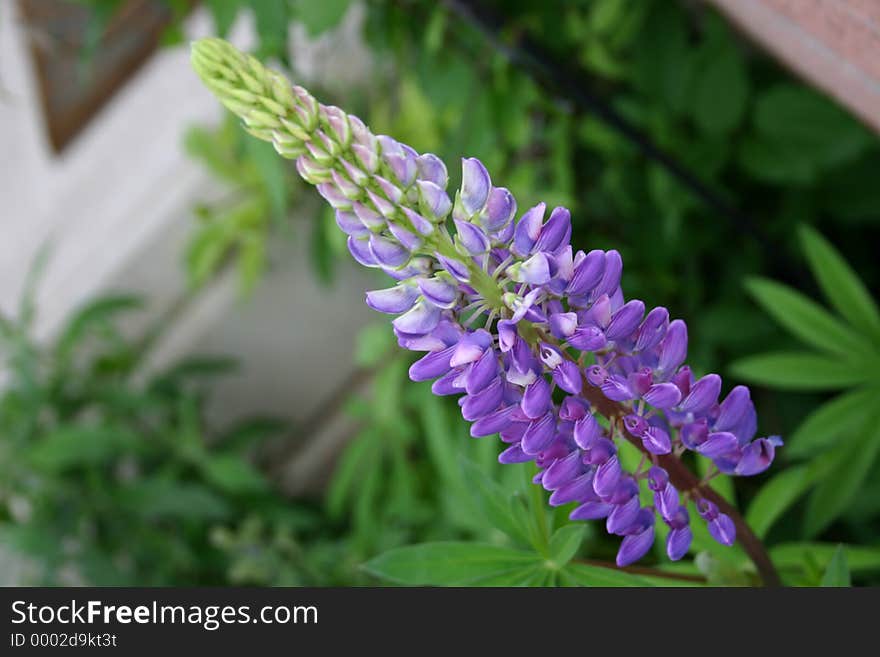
(511, 318)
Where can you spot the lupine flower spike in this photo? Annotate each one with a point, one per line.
(536, 339)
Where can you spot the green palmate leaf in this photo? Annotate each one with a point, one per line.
(802, 371)
(842, 287)
(776, 496)
(837, 572)
(580, 574)
(497, 505)
(449, 563)
(848, 468)
(565, 543)
(805, 319)
(832, 421)
(533, 575)
(791, 556)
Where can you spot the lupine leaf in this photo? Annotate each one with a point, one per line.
(842, 287)
(837, 572)
(496, 504)
(531, 575)
(805, 319)
(449, 563)
(794, 555)
(801, 371)
(850, 466)
(565, 543)
(776, 496)
(832, 420)
(581, 574)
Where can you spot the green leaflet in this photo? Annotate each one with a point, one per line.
(806, 320)
(850, 464)
(503, 511)
(832, 421)
(776, 496)
(449, 563)
(794, 556)
(802, 371)
(565, 543)
(840, 284)
(579, 574)
(837, 572)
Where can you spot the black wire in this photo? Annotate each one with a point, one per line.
(575, 85)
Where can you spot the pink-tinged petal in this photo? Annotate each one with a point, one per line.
(563, 325)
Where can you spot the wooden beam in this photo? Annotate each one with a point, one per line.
(833, 44)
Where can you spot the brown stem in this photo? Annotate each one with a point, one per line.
(685, 480)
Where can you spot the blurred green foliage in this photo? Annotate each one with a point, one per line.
(110, 476)
(779, 152)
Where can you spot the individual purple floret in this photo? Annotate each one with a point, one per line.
(536, 339)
